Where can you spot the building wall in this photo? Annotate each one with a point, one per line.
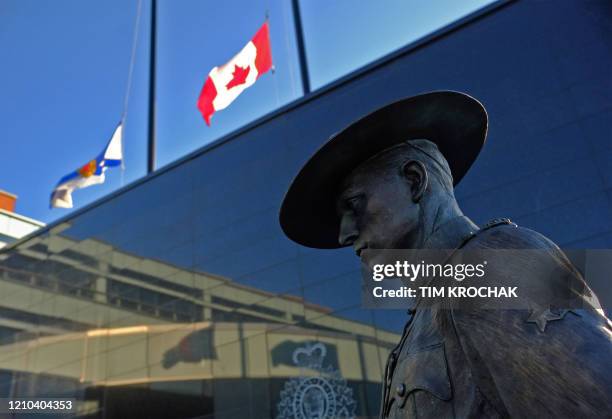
(14, 226)
(542, 70)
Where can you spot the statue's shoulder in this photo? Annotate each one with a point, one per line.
(533, 260)
(504, 234)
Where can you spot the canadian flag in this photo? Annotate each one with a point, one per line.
(226, 82)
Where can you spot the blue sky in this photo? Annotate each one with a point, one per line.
(65, 65)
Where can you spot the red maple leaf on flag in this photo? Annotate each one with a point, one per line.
(240, 74)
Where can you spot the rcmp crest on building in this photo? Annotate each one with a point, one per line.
(319, 392)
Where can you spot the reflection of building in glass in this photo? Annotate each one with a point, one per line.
(166, 327)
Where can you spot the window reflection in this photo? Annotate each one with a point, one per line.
(109, 326)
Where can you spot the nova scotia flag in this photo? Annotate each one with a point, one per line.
(91, 173)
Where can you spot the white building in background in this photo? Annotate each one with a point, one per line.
(12, 225)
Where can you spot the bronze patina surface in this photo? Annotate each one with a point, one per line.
(387, 182)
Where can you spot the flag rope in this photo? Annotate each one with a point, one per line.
(273, 69)
(132, 59)
(129, 84)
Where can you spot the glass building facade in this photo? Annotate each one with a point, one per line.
(179, 296)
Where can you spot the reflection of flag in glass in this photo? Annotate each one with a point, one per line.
(91, 173)
(226, 82)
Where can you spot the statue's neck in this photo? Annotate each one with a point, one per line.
(445, 226)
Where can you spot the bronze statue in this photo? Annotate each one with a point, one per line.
(387, 182)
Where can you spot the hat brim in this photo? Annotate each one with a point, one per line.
(454, 121)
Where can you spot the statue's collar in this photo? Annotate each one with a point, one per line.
(452, 234)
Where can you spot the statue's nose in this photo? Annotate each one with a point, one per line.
(348, 231)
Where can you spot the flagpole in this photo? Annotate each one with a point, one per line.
(299, 36)
(152, 113)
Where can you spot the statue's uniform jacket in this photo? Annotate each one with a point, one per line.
(453, 363)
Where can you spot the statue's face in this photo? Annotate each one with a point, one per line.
(378, 211)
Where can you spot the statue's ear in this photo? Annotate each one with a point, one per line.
(415, 173)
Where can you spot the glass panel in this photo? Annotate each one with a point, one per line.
(191, 42)
(343, 35)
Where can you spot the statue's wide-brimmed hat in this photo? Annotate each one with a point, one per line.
(455, 122)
